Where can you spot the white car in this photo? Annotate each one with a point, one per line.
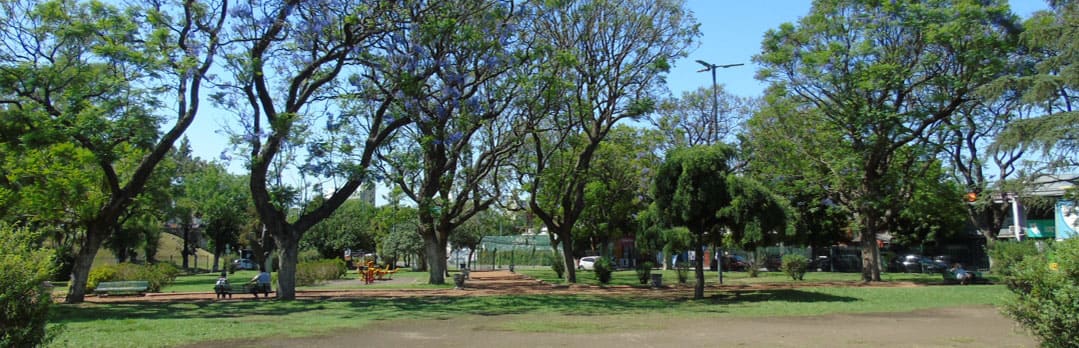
(587, 262)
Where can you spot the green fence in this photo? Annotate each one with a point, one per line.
(499, 252)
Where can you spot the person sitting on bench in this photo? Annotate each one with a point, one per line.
(261, 282)
(222, 287)
(961, 274)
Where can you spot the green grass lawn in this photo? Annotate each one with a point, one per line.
(167, 324)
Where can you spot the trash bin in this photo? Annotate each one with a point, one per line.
(657, 280)
(458, 281)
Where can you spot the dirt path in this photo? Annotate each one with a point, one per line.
(947, 327)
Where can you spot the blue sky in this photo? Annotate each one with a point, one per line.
(731, 33)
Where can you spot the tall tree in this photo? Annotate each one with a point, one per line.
(602, 63)
(82, 73)
(785, 146)
(885, 75)
(462, 60)
(691, 187)
(618, 187)
(1051, 88)
(221, 201)
(351, 226)
(692, 119)
(982, 170)
(183, 216)
(295, 64)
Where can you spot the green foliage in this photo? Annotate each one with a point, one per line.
(25, 301)
(158, 275)
(1006, 255)
(682, 269)
(314, 272)
(603, 268)
(795, 265)
(1046, 294)
(1051, 54)
(756, 261)
(351, 226)
(691, 186)
(558, 264)
(308, 255)
(839, 69)
(644, 271)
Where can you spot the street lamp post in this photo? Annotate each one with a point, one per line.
(715, 116)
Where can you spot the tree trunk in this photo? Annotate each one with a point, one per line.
(567, 255)
(436, 260)
(286, 268)
(187, 245)
(698, 289)
(217, 260)
(84, 259)
(870, 250)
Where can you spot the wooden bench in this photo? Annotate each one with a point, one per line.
(128, 287)
(244, 288)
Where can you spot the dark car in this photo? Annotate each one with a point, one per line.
(735, 263)
(914, 263)
(821, 264)
(773, 263)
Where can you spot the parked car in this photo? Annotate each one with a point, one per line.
(244, 264)
(914, 263)
(773, 263)
(821, 264)
(735, 263)
(587, 263)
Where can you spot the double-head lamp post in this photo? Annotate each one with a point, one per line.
(715, 116)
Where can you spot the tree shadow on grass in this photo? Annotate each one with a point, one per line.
(776, 295)
(426, 307)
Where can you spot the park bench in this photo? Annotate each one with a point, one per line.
(244, 288)
(131, 287)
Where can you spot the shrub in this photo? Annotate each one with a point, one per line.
(1006, 255)
(603, 269)
(754, 267)
(314, 272)
(24, 298)
(644, 271)
(1046, 289)
(682, 270)
(309, 255)
(795, 265)
(157, 275)
(558, 265)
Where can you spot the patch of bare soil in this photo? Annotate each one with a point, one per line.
(980, 326)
